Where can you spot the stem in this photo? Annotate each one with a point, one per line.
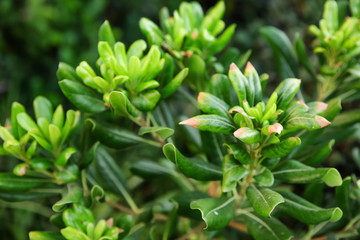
(120, 207)
(84, 183)
(314, 230)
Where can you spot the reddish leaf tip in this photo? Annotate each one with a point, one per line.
(276, 128)
(200, 96)
(235, 110)
(110, 222)
(249, 66)
(23, 171)
(239, 132)
(302, 103)
(192, 122)
(321, 106)
(233, 67)
(194, 35)
(322, 121)
(107, 105)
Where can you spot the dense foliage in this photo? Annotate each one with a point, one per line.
(172, 140)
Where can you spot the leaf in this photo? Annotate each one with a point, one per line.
(82, 97)
(347, 118)
(282, 50)
(72, 195)
(184, 199)
(43, 108)
(333, 109)
(69, 174)
(307, 212)
(211, 146)
(306, 121)
(10, 182)
(211, 104)
(195, 168)
(330, 15)
(302, 55)
(295, 172)
(147, 101)
(16, 128)
(239, 82)
(342, 196)
(73, 234)
(40, 164)
(113, 136)
(109, 173)
(286, 91)
(239, 152)
(65, 71)
(106, 34)
(220, 87)
(163, 132)
(26, 121)
(212, 123)
(216, 212)
(97, 194)
(37, 235)
(263, 200)
(254, 91)
(265, 178)
(151, 31)
(174, 84)
(281, 149)
(121, 104)
(232, 173)
(317, 154)
(220, 43)
(21, 196)
(248, 135)
(262, 228)
(65, 156)
(197, 76)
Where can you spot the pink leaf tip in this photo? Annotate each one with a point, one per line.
(110, 222)
(302, 103)
(249, 67)
(321, 106)
(200, 96)
(322, 121)
(276, 128)
(233, 67)
(239, 132)
(192, 122)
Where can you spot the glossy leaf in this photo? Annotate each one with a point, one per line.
(184, 199)
(307, 212)
(216, 212)
(342, 196)
(281, 149)
(211, 104)
(82, 97)
(295, 172)
(220, 87)
(195, 168)
(248, 135)
(262, 228)
(65, 71)
(73, 195)
(73, 234)
(36, 235)
(286, 91)
(212, 123)
(174, 84)
(265, 178)
(106, 34)
(239, 153)
(10, 182)
(263, 200)
(239, 82)
(232, 173)
(306, 121)
(163, 132)
(121, 104)
(147, 101)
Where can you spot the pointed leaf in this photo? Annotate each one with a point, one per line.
(106, 34)
(232, 173)
(174, 84)
(281, 149)
(121, 104)
(211, 104)
(212, 123)
(163, 132)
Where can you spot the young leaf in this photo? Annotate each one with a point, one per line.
(122, 105)
(151, 31)
(295, 172)
(195, 168)
(239, 82)
(248, 135)
(210, 104)
(147, 101)
(73, 234)
(263, 200)
(286, 91)
(307, 212)
(65, 71)
(281, 149)
(212, 123)
(72, 195)
(174, 84)
(106, 34)
(239, 153)
(216, 212)
(254, 90)
(220, 87)
(233, 172)
(262, 228)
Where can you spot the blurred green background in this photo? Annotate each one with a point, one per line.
(36, 34)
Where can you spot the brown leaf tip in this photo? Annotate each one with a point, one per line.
(110, 222)
(235, 110)
(233, 67)
(192, 122)
(249, 67)
(239, 132)
(107, 105)
(187, 54)
(200, 96)
(276, 128)
(322, 121)
(194, 35)
(23, 171)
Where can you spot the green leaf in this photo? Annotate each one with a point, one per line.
(113, 136)
(5, 134)
(72, 195)
(149, 169)
(306, 121)
(281, 149)
(342, 196)
(147, 101)
(282, 50)
(211, 104)
(265, 178)
(220, 43)
(136, 49)
(58, 117)
(122, 105)
(174, 84)
(40, 164)
(220, 87)
(82, 97)
(197, 76)
(10, 182)
(43, 108)
(163, 132)
(90, 156)
(248, 135)
(302, 55)
(307, 212)
(21, 196)
(73, 234)
(151, 31)
(97, 193)
(347, 118)
(263, 200)
(239, 153)
(254, 91)
(317, 154)
(262, 228)
(16, 128)
(212, 123)
(184, 199)
(239, 82)
(65, 156)
(232, 173)
(38, 136)
(216, 212)
(69, 174)
(146, 85)
(331, 15)
(54, 135)
(26, 121)
(355, 8)
(106, 34)
(36, 235)
(213, 16)
(195, 168)
(286, 91)
(333, 109)
(65, 71)
(295, 172)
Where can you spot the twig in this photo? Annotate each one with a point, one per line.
(238, 226)
(120, 207)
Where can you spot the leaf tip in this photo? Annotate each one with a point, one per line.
(201, 96)
(233, 67)
(322, 121)
(321, 106)
(239, 132)
(249, 67)
(276, 128)
(304, 104)
(192, 122)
